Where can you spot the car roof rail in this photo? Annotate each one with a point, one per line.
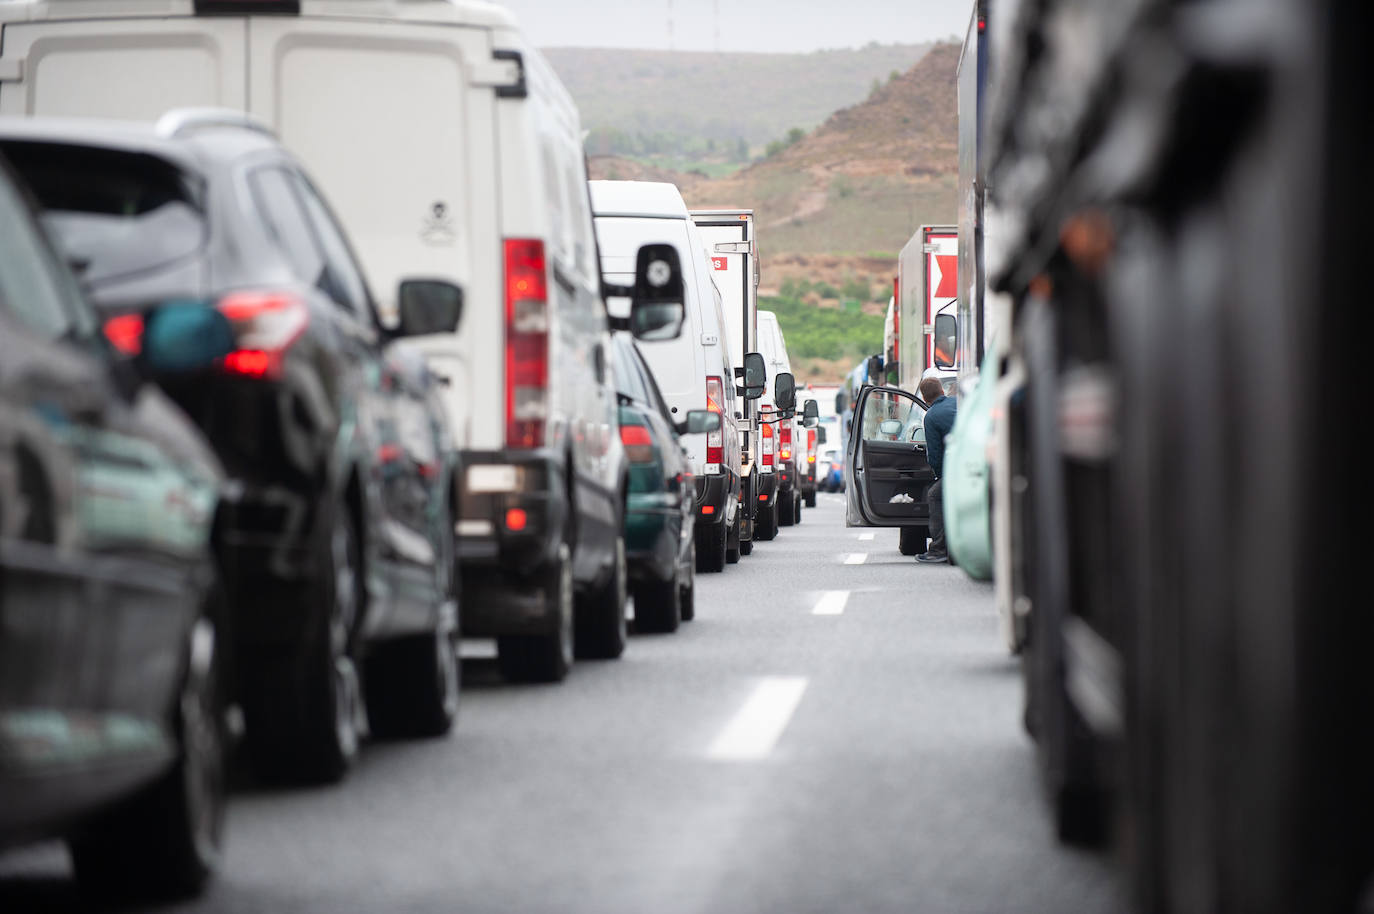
(179, 121)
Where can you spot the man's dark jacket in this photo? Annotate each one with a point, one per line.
(939, 421)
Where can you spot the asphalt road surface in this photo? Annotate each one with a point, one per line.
(838, 731)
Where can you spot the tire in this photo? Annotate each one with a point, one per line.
(164, 843)
(599, 631)
(544, 658)
(711, 548)
(800, 501)
(687, 598)
(766, 523)
(912, 540)
(413, 685)
(658, 606)
(733, 548)
(787, 508)
(811, 499)
(306, 716)
(746, 547)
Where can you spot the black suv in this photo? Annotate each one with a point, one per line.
(337, 526)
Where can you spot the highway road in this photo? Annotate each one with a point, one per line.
(838, 730)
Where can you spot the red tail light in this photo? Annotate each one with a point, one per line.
(766, 448)
(715, 402)
(527, 343)
(785, 442)
(125, 333)
(265, 324)
(639, 444)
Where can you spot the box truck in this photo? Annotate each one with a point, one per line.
(927, 299)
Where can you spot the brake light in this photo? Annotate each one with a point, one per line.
(785, 442)
(527, 343)
(265, 324)
(766, 448)
(639, 445)
(715, 402)
(125, 333)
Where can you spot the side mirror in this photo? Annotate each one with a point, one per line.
(702, 422)
(875, 370)
(811, 414)
(785, 391)
(656, 301)
(891, 427)
(755, 376)
(946, 340)
(429, 306)
(841, 403)
(820, 436)
(181, 337)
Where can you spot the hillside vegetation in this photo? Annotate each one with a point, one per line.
(834, 205)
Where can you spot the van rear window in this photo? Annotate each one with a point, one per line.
(114, 214)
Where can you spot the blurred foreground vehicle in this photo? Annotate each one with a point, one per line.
(111, 612)
(337, 525)
(1188, 193)
(659, 514)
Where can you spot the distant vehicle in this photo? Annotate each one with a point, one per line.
(659, 517)
(787, 433)
(830, 469)
(733, 249)
(338, 453)
(475, 175)
(927, 301)
(695, 370)
(113, 642)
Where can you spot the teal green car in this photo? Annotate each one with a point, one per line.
(967, 489)
(659, 506)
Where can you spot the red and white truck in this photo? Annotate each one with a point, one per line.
(927, 298)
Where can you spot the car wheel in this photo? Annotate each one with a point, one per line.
(599, 618)
(414, 684)
(766, 525)
(912, 540)
(164, 843)
(544, 658)
(306, 715)
(687, 599)
(811, 499)
(658, 606)
(732, 542)
(711, 548)
(746, 547)
(787, 508)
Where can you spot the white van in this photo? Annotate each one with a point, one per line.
(693, 370)
(450, 149)
(788, 434)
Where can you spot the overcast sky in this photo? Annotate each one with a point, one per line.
(744, 25)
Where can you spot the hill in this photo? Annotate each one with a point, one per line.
(834, 207)
(682, 96)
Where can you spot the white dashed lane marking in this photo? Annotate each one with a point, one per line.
(831, 603)
(856, 558)
(754, 730)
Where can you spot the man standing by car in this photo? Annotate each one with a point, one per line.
(939, 420)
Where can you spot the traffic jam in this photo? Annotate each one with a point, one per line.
(394, 518)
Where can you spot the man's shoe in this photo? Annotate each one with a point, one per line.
(933, 558)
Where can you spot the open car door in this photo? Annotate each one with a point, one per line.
(886, 473)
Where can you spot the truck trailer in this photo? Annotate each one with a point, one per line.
(927, 296)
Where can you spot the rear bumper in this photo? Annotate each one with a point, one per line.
(712, 492)
(766, 490)
(507, 540)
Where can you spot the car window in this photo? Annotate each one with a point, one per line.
(34, 287)
(114, 214)
(627, 379)
(287, 223)
(342, 280)
(655, 396)
(890, 416)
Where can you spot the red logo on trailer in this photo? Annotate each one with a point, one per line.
(719, 263)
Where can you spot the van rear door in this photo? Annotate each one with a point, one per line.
(386, 117)
(127, 68)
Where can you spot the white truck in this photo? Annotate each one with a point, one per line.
(927, 297)
(730, 242)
